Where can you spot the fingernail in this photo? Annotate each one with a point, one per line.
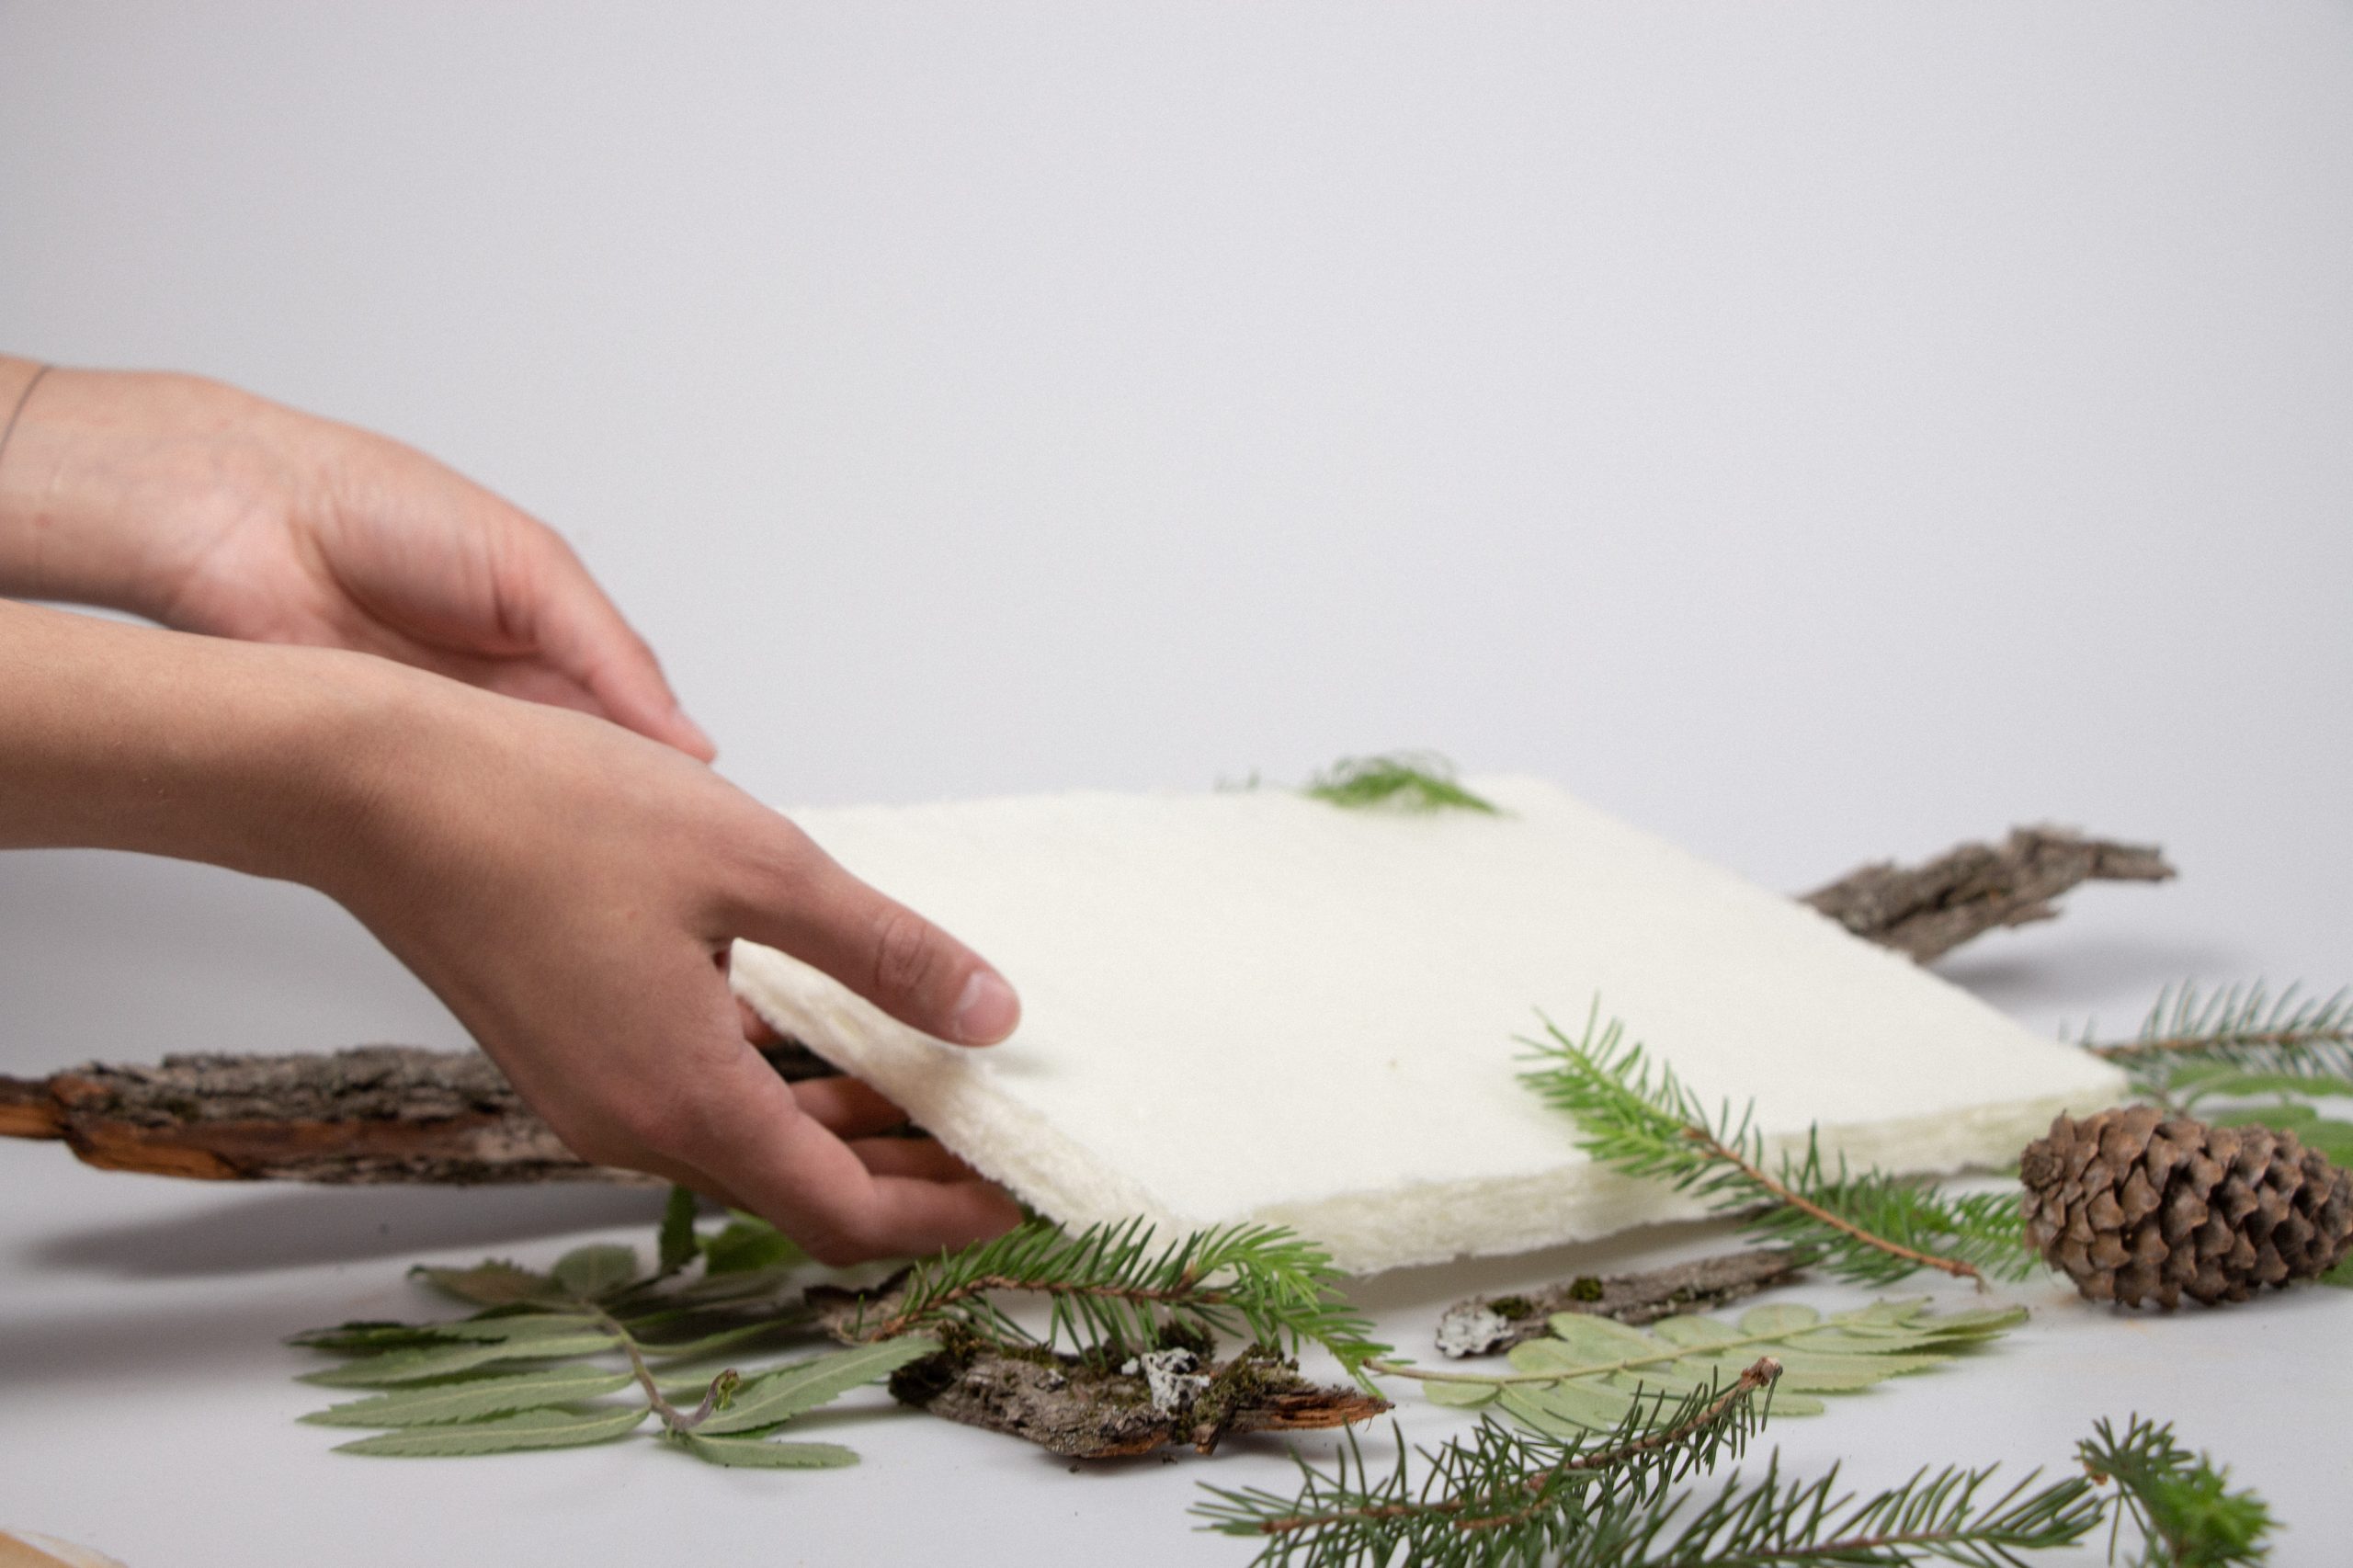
(987, 1011)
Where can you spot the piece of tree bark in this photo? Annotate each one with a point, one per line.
(1927, 910)
(402, 1114)
(1484, 1324)
(1083, 1410)
(378, 1113)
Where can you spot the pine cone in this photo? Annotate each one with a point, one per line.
(2137, 1206)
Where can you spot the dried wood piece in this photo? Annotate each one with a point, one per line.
(1082, 1408)
(1486, 1324)
(1929, 909)
(374, 1114)
(1088, 1409)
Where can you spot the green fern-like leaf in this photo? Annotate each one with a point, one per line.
(1591, 1372)
(537, 1367)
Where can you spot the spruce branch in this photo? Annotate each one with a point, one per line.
(1401, 780)
(1637, 1117)
(2179, 1502)
(1607, 1501)
(2242, 1025)
(1496, 1496)
(1109, 1288)
(1953, 1514)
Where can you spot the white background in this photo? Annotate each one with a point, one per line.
(1817, 432)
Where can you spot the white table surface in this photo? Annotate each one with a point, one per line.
(1817, 432)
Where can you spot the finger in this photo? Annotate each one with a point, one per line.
(530, 681)
(753, 1141)
(586, 637)
(919, 1159)
(756, 1030)
(847, 1108)
(911, 968)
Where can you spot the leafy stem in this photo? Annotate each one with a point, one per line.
(673, 1418)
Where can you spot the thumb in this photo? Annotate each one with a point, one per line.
(880, 949)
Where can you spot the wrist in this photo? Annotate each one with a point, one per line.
(264, 760)
(113, 483)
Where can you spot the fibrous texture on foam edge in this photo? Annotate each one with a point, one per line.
(1255, 1005)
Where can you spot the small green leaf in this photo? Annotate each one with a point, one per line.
(1694, 1331)
(724, 1339)
(718, 1290)
(407, 1365)
(494, 1283)
(365, 1334)
(790, 1391)
(505, 1435)
(2341, 1275)
(1461, 1395)
(759, 1453)
(587, 1273)
(369, 1337)
(474, 1398)
(1590, 1338)
(1795, 1403)
(1680, 1377)
(1567, 1409)
(676, 1245)
(2333, 1139)
(1593, 1370)
(1778, 1318)
(2299, 1085)
(747, 1242)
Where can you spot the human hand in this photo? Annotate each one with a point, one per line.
(570, 890)
(211, 510)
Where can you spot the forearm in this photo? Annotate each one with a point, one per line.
(120, 737)
(111, 482)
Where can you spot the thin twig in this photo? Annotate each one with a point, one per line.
(672, 1416)
(1481, 1325)
(1717, 1150)
(2281, 1039)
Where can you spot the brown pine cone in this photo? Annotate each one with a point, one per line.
(2137, 1206)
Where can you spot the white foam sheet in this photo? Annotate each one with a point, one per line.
(1257, 1005)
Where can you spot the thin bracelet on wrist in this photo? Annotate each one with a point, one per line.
(16, 412)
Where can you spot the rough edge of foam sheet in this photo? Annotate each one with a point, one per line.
(948, 1091)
